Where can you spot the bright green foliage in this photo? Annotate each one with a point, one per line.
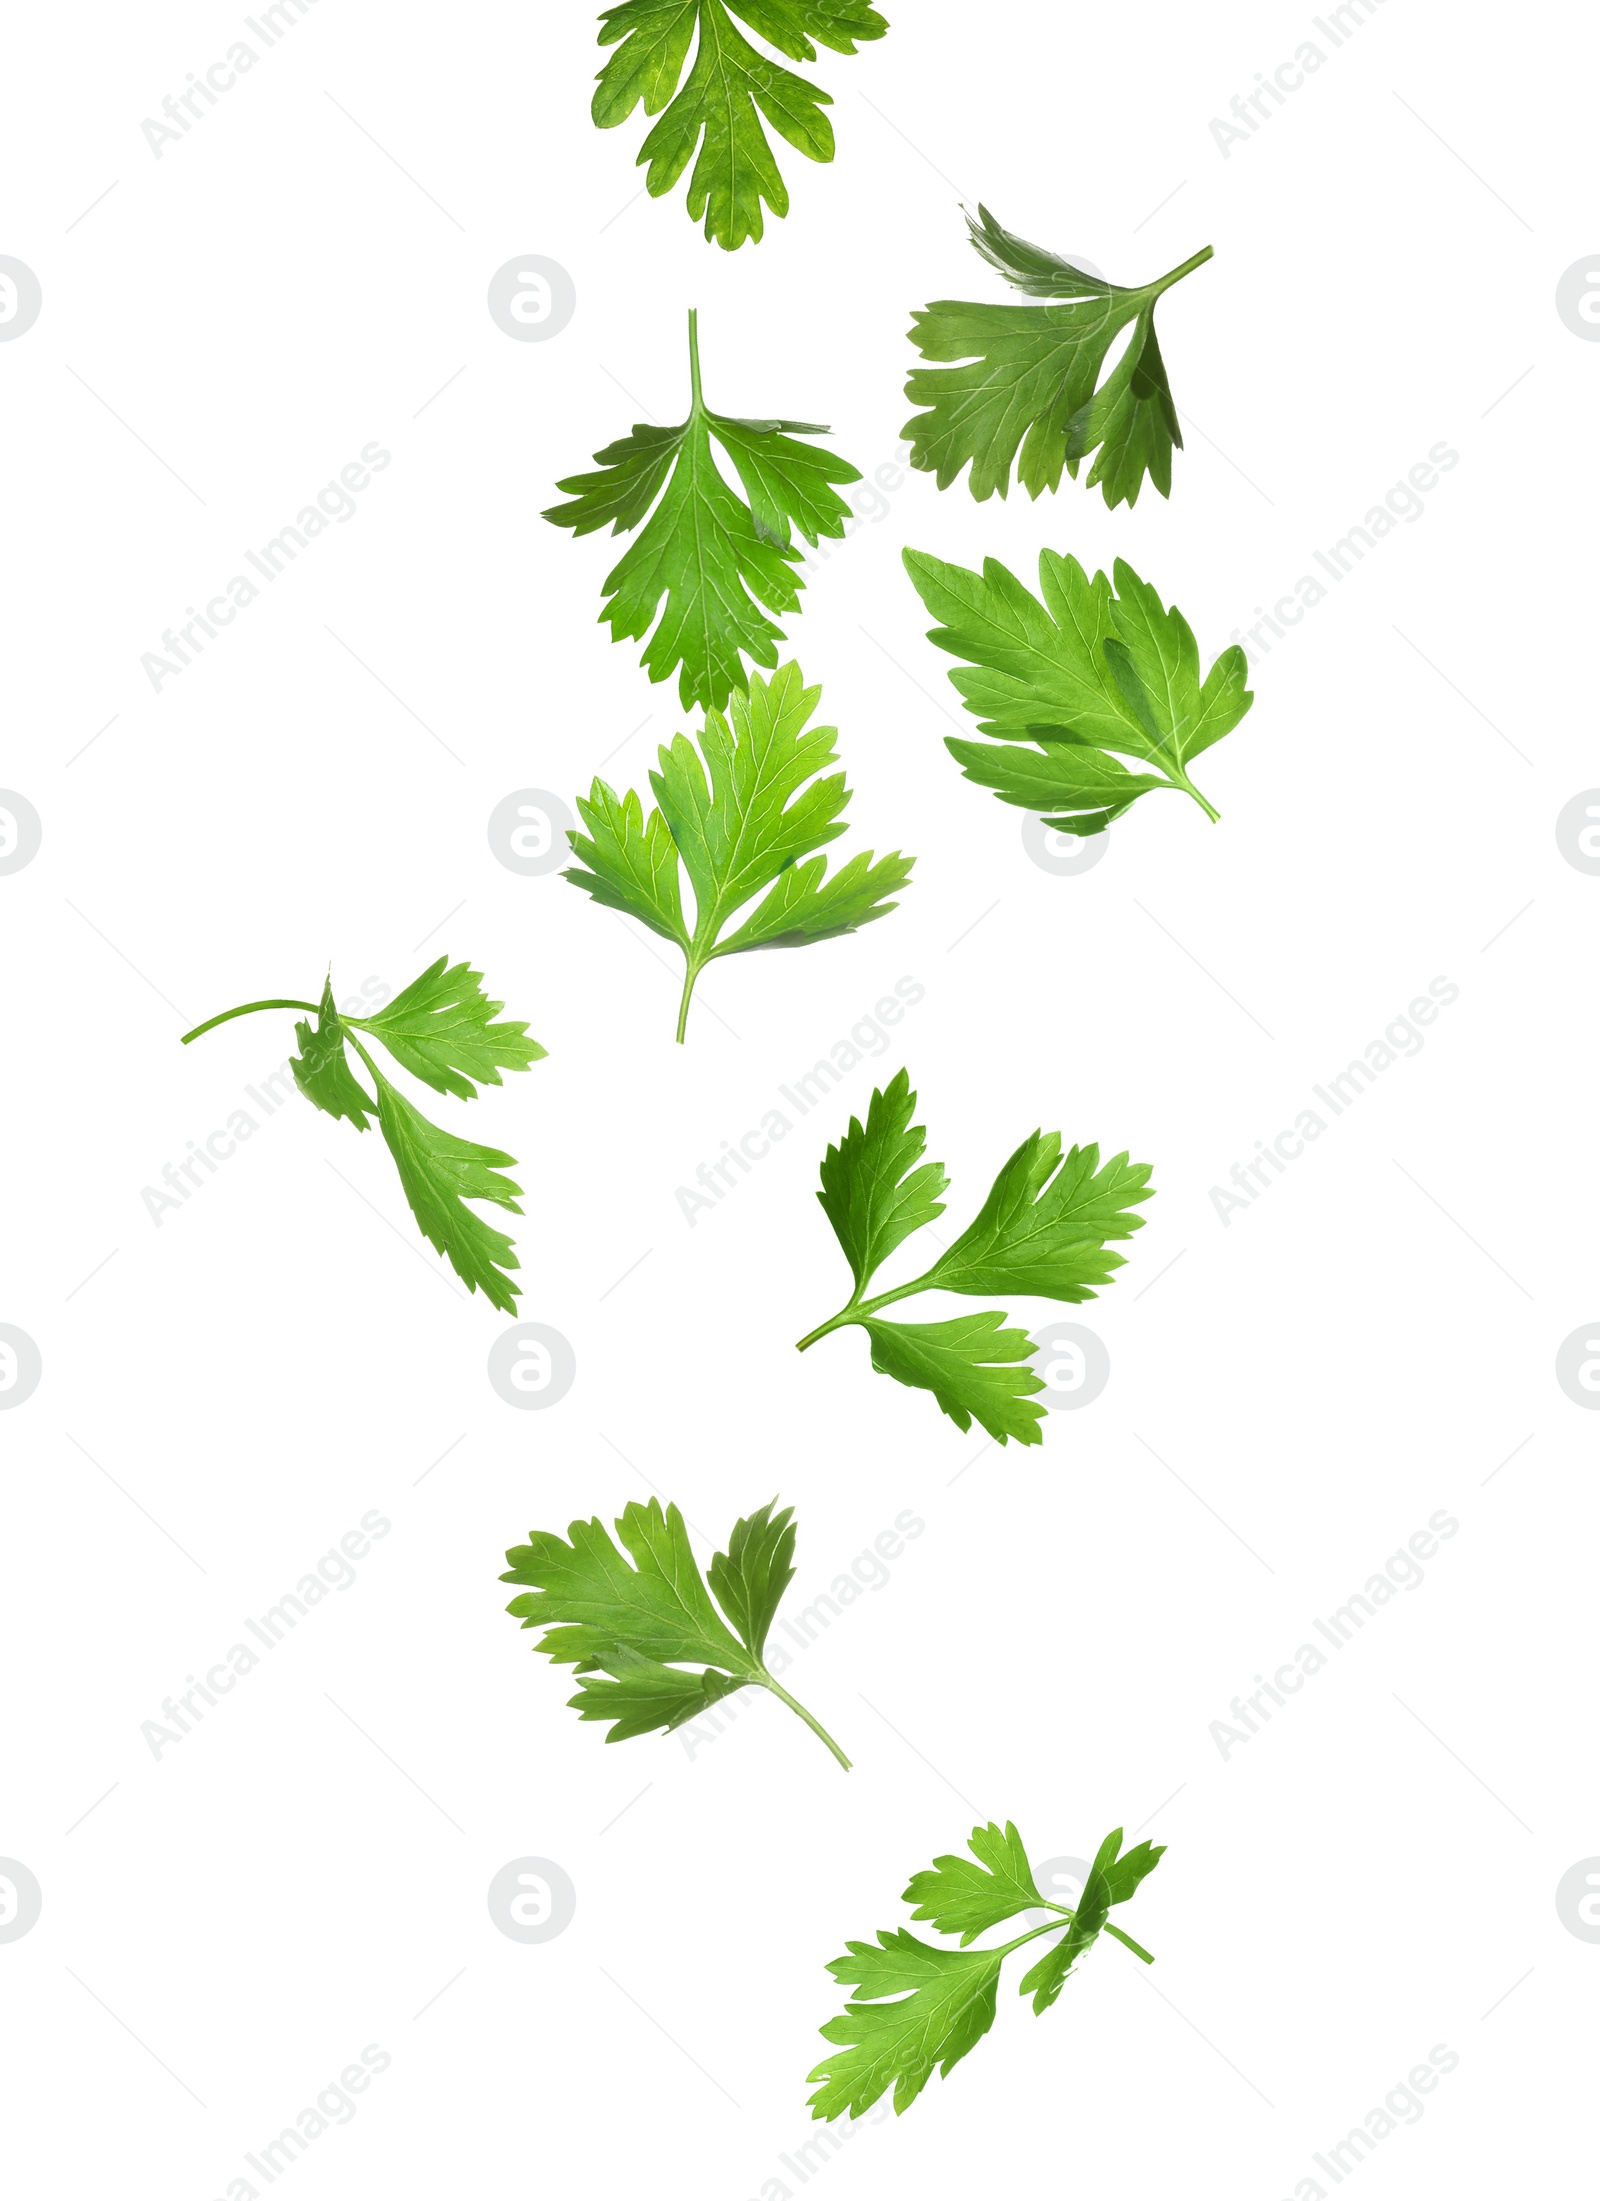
(737, 814)
(721, 562)
(442, 1029)
(1075, 683)
(651, 1629)
(960, 1897)
(945, 1998)
(1044, 1230)
(730, 86)
(1031, 376)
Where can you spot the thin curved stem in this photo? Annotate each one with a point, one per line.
(249, 1009)
(815, 1726)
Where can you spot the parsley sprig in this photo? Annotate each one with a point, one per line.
(946, 1996)
(1029, 378)
(651, 1647)
(442, 1030)
(1098, 670)
(740, 813)
(711, 563)
(730, 88)
(1044, 1231)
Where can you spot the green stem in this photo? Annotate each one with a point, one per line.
(249, 1009)
(815, 1726)
(372, 1068)
(1178, 273)
(694, 358)
(1050, 1926)
(691, 973)
(859, 1308)
(1128, 1942)
(1066, 1916)
(1190, 788)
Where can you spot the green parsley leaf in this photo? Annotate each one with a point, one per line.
(738, 814)
(730, 86)
(441, 1029)
(641, 1626)
(1112, 1879)
(966, 1898)
(1045, 1229)
(1031, 377)
(439, 1173)
(748, 1579)
(720, 562)
(1075, 683)
(946, 1997)
(322, 1069)
(946, 2005)
(976, 1370)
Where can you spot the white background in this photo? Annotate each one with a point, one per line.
(1291, 1396)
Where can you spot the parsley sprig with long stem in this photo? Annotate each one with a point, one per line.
(945, 1997)
(442, 1030)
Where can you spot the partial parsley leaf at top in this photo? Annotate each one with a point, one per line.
(1043, 1231)
(710, 563)
(442, 1029)
(1074, 683)
(730, 87)
(741, 814)
(1031, 378)
(650, 1628)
